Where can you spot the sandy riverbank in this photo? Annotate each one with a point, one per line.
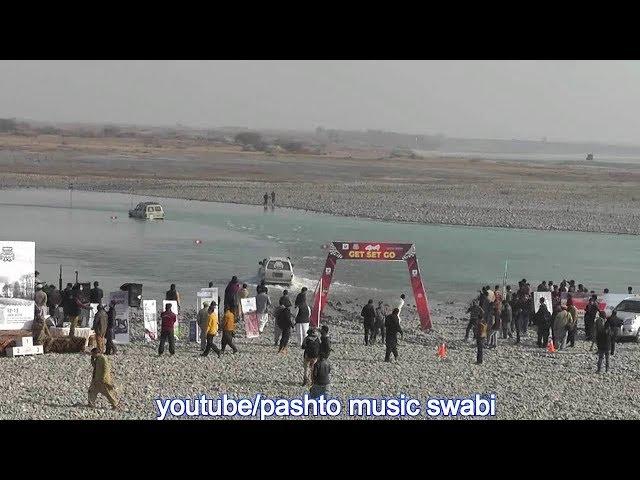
(529, 382)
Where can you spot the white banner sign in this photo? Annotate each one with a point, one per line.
(547, 300)
(121, 326)
(250, 312)
(17, 276)
(150, 320)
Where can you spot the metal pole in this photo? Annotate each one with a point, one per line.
(60, 279)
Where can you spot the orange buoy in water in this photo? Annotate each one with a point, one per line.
(197, 242)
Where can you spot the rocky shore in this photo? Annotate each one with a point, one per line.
(528, 205)
(529, 382)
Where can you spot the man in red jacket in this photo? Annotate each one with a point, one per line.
(166, 330)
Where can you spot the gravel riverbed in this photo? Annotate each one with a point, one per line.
(529, 382)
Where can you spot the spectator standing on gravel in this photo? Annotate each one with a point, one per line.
(325, 341)
(67, 295)
(543, 322)
(590, 313)
(481, 336)
(75, 305)
(203, 322)
(615, 325)
(399, 304)
(560, 325)
(506, 318)
(602, 338)
(265, 197)
(172, 294)
(572, 327)
(101, 381)
(40, 299)
(392, 327)
(542, 287)
(211, 330)
(273, 198)
(53, 300)
(320, 378)
(262, 287)
(311, 348)
(475, 314)
(495, 330)
(369, 317)
(303, 316)
(168, 320)
(110, 334)
(263, 302)
(100, 323)
(378, 325)
(96, 293)
(630, 290)
(284, 321)
(230, 292)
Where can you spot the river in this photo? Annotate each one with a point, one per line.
(454, 260)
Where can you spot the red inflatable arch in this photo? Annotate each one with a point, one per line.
(375, 251)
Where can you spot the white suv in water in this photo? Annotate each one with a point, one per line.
(628, 311)
(277, 270)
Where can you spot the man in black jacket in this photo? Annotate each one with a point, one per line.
(303, 316)
(603, 339)
(95, 294)
(543, 322)
(590, 313)
(325, 341)
(392, 327)
(110, 335)
(369, 315)
(283, 320)
(615, 325)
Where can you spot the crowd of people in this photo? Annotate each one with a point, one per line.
(496, 312)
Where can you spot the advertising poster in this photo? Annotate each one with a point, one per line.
(92, 314)
(547, 300)
(251, 323)
(121, 327)
(207, 295)
(150, 320)
(17, 276)
(174, 309)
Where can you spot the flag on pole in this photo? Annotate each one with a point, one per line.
(317, 300)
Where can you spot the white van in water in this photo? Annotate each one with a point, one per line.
(628, 310)
(276, 270)
(148, 210)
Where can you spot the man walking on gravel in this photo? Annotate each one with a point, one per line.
(110, 334)
(481, 335)
(211, 330)
(228, 330)
(378, 325)
(168, 319)
(263, 302)
(369, 317)
(543, 323)
(392, 327)
(284, 322)
(203, 322)
(101, 381)
(311, 347)
(475, 314)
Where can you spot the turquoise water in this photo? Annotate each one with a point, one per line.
(454, 260)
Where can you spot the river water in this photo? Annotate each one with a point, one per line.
(78, 233)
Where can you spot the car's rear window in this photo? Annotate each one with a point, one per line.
(632, 306)
(158, 209)
(278, 265)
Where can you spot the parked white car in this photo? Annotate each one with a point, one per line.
(628, 311)
(148, 211)
(276, 270)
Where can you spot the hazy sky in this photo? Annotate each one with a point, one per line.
(560, 100)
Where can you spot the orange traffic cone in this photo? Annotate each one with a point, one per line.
(442, 351)
(551, 348)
